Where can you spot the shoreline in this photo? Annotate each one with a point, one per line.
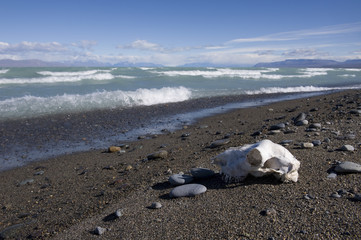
(36, 139)
(68, 196)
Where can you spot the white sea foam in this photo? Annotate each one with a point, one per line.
(2, 71)
(353, 69)
(267, 73)
(220, 72)
(297, 89)
(29, 106)
(57, 77)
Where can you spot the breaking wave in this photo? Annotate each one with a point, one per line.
(268, 73)
(30, 106)
(3, 71)
(56, 77)
(296, 89)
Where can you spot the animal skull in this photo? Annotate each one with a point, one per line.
(259, 159)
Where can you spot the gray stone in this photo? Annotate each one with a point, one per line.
(335, 195)
(269, 212)
(316, 142)
(118, 213)
(301, 123)
(158, 155)
(41, 172)
(286, 142)
(99, 230)
(300, 117)
(156, 205)
(187, 190)
(332, 176)
(348, 167)
(202, 172)
(278, 126)
(26, 182)
(315, 125)
(180, 179)
(219, 143)
(348, 148)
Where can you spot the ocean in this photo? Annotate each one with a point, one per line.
(32, 93)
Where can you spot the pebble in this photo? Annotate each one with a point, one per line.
(187, 190)
(315, 125)
(332, 176)
(347, 148)
(301, 123)
(156, 205)
(286, 142)
(219, 143)
(113, 149)
(202, 172)
(99, 230)
(300, 117)
(118, 213)
(307, 145)
(41, 172)
(335, 195)
(355, 111)
(158, 155)
(277, 126)
(348, 167)
(316, 142)
(26, 182)
(180, 179)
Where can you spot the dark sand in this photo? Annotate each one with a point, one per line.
(77, 192)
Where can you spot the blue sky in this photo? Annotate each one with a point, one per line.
(180, 32)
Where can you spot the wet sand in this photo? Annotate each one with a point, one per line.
(67, 197)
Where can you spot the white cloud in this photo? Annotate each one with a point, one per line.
(31, 46)
(85, 44)
(143, 45)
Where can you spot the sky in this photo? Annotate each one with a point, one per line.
(173, 33)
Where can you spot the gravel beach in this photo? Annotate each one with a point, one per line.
(125, 194)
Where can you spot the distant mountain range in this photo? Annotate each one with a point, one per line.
(356, 63)
(319, 63)
(40, 63)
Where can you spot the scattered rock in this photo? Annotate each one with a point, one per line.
(335, 195)
(99, 230)
(316, 142)
(180, 179)
(118, 213)
(348, 167)
(26, 182)
(11, 231)
(278, 126)
(113, 149)
(307, 145)
(41, 172)
(300, 117)
(128, 168)
(301, 123)
(155, 205)
(202, 172)
(258, 133)
(286, 142)
(332, 176)
(315, 125)
(188, 190)
(158, 155)
(347, 148)
(219, 143)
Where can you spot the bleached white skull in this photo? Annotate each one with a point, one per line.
(259, 159)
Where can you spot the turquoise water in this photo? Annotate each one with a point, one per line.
(31, 92)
